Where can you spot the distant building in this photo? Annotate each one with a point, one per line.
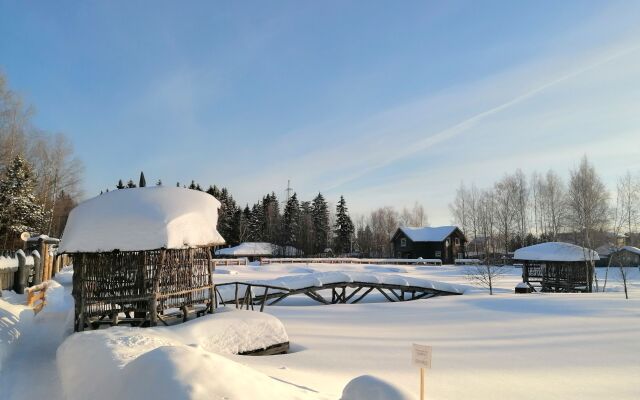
(443, 242)
(256, 250)
(627, 256)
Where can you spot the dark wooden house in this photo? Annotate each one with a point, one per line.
(626, 256)
(557, 267)
(139, 254)
(442, 242)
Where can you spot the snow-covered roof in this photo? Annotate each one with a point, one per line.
(632, 249)
(428, 233)
(555, 251)
(248, 249)
(256, 249)
(143, 219)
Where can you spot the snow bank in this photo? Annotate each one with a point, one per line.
(367, 387)
(178, 362)
(555, 251)
(143, 219)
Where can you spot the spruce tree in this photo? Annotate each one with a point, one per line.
(193, 185)
(306, 236)
(256, 223)
(130, 184)
(343, 228)
(159, 182)
(19, 209)
(120, 184)
(321, 228)
(271, 223)
(291, 222)
(142, 182)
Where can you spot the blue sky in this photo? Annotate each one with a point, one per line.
(385, 102)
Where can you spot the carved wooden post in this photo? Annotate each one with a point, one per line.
(37, 264)
(22, 274)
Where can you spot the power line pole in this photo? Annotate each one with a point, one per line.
(288, 190)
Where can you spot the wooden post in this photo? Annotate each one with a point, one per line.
(421, 383)
(212, 286)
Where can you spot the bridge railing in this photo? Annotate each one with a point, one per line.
(379, 261)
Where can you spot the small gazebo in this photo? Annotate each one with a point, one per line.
(557, 267)
(139, 253)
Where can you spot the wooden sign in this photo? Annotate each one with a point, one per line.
(421, 355)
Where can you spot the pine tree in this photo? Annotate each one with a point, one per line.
(321, 228)
(19, 209)
(193, 185)
(120, 184)
(142, 182)
(130, 184)
(291, 222)
(343, 228)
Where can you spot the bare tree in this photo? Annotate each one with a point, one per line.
(506, 212)
(383, 222)
(552, 204)
(414, 216)
(587, 206)
(485, 274)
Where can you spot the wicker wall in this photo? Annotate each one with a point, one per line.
(137, 286)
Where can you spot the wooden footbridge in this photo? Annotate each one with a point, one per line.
(345, 288)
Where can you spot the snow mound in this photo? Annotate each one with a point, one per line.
(230, 331)
(555, 251)
(367, 387)
(178, 362)
(143, 219)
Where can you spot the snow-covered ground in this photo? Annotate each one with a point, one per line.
(549, 346)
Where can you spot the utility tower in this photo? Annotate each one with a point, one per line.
(288, 190)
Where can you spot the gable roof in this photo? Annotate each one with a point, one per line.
(632, 249)
(428, 233)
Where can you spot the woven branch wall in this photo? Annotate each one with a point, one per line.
(139, 283)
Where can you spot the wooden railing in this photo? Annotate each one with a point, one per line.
(382, 261)
(229, 261)
(36, 297)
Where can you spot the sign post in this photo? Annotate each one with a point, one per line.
(421, 356)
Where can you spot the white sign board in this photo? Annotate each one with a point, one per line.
(421, 355)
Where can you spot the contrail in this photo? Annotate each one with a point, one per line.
(459, 128)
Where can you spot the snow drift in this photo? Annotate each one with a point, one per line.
(178, 362)
(143, 219)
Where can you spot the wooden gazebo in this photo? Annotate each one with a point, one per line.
(557, 267)
(142, 254)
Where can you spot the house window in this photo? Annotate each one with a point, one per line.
(438, 254)
(403, 242)
(457, 241)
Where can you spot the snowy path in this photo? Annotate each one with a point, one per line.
(30, 369)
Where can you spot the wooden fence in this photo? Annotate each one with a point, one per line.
(229, 261)
(18, 271)
(379, 261)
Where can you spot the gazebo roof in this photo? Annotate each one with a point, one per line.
(143, 219)
(555, 251)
